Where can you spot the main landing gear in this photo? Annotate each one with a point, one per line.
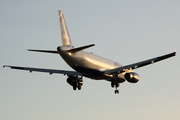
(75, 82)
(116, 84)
(77, 85)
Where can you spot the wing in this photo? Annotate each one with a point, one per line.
(50, 71)
(139, 64)
(45, 51)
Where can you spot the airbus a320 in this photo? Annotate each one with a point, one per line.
(87, 64)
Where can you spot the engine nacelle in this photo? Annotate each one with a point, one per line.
(71, 80)
(132, 77)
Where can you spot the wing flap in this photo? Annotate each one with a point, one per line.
(50, 71)
(139, 64)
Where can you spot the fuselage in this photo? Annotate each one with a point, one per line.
(89, 64)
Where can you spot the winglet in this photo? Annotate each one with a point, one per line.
(4, 65)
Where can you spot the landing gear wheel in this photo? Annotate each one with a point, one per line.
(79, 86)
(112, 84)
(74, 87)
(116, 91)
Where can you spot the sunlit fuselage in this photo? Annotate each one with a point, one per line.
(89, 64)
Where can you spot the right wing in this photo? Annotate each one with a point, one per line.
(50, 71)
(139, 64)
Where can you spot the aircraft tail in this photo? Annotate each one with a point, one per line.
(66, 40)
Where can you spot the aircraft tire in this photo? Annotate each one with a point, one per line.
(112, 84)
(74, 87)
(116, 91)
(79, 86)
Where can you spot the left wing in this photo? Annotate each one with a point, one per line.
(45, 51)
(50, 71)
(139, 64)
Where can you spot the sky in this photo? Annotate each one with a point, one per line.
(124, 31)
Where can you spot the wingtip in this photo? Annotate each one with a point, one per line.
(4, 65)
(175, 51)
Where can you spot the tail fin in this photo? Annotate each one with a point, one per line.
(66, 40)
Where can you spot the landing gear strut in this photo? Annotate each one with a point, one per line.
(116, 91)
(116, 83)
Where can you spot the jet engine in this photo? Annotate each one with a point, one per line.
(132, 77)
(71, 80)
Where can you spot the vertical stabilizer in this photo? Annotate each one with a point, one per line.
(66, 40)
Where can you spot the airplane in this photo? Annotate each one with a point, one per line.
(87, 64)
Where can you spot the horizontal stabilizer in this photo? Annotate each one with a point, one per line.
(46, 51)
(74, 50)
